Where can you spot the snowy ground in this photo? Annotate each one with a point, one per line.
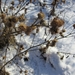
(36, 65)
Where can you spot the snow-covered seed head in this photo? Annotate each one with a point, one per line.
(41, 15)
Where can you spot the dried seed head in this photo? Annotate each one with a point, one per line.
(3, 15)
(11, 7)
(61, 34)
(21, 47)
(30, 29)
(48, 44)
(53, 43)
(22, 27)
(37, 30)
(43, 50)
(33, 27)
(13, 19)
(57, 22)
(6, 10)
(41, 15)
(12, 40)
(7, 22)
(63, 1)
(10, 21)
(30, 1)
(54, 30)
(63, 30)
(4, 57)
(26, 71)
(21, 18)
(12, 2)
(53, 3)
(3, 72)
(21, 0)
(74, 26)
(43, 22)
(21, 71)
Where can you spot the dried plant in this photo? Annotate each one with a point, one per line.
(41, 15)
(16, 24)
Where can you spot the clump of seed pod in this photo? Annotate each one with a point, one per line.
(22, 27)
(43, 49)
(30, 29)
(63, 30)
(41, 15)
(61, 34)
(55, 24)
(26, 29)
(11, 7)
(63, 1)
(54, 30)
(21, 18)
(42, 22)
(53, 43)
(12, 40)
(2, 15)
(10, 21)
(12, 2)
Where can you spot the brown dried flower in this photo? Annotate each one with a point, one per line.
(54, 30)
(43, 22)
(29, 29)
(57, 22)
(21, 18)
(10, 21)
(22, 27)
(12, 2)
(53, 43)
(63, 1)
(41, 15)
(13, 19)
(63, 30)
(61, 34)
(11, 7)
(26, 71)
(7, 22)
(2, 15)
